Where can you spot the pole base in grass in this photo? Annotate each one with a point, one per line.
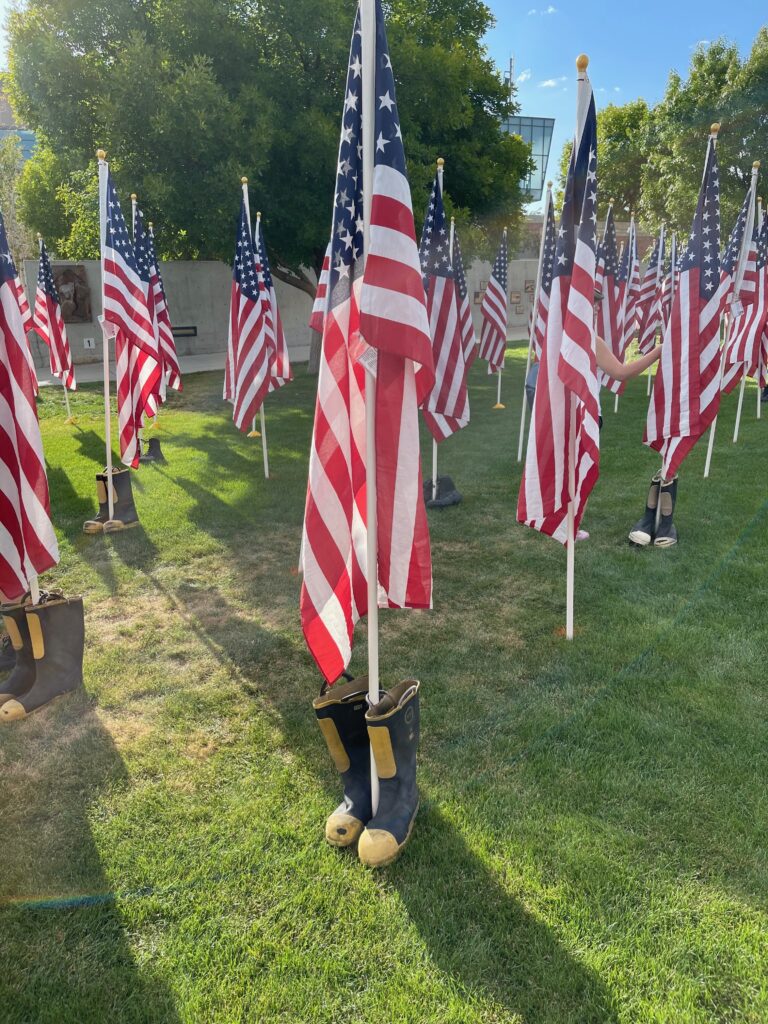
(446, 493)
(71, 420)
(254, 433)
(499, 405)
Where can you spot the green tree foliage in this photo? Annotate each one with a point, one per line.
(20, 238)
(650, 160)
(622, 132)
(187, 95)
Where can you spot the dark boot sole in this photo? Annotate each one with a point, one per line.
(42, 707)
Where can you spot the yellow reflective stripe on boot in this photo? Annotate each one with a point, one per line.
(335, 746)
(13, 632)
(381, 742)
(36, 635)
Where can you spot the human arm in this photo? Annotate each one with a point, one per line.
(609, 364)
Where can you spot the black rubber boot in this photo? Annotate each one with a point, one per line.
(393, 728)
(446, 496)
(22, 677)
(340, 714)
(125, 514)
(666, 535)
(57, 633)
(154, 452)
(643, 532)
(7, 654)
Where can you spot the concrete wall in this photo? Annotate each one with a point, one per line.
(198, 296)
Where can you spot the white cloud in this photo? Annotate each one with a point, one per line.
(524, 76)
(550, 10)
(698, 43)
(552, 83)
(617, 88)
(532, 11)
(543, 11)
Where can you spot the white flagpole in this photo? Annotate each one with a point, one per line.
(582, 63)
(747, 234)
(760, 352)
(739, 407)
(103, 172)
(532, 333)
(740, 268)
(440, 173)
(625, 300)
(262, 414)
(368, 33)
(499, 372)
(34, 589)
(254, 432)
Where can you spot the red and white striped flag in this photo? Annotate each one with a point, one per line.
(320, 305)
(649, 306)
(251, 349)
(128, 319)
(686, 394)
(49, 322)
(280, 369)
(563, 459)
(27, 539)
(540, 314)
(493, 334)
(446, 407)
(168, 355)
(376, 316)
(467, 327)
(670, 282)
(627, 294)
(27, 321)
(606, 289)
(749, 316)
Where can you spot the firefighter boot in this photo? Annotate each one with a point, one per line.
(57, 633)
(643, 532)
(340, 714)
(22, 677)
(154, 452)
(666, 535)
(393, 728)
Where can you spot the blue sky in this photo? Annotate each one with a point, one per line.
(631, 47)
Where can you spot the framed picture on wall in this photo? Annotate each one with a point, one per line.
(519, 310)
(515, 298)
(530, 287)
(74, 291)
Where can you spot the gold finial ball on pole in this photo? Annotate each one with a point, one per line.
(549, 184)
(150, 225)
(715, 128)
(440, 162)
(39, 237)
(611, 202)
(582, 62)
(134, 197)
(756, 165)
(101, 154)
(243, 181)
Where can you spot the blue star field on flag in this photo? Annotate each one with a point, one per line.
(8, 270)
(703, 249)
(458, 269)
(45, 275)
(117, 230)
(580, 206)
(244, 267)
(732, 250)
(434, 251)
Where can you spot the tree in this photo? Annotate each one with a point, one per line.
(188, 95)
(622, 132)
(20, 237)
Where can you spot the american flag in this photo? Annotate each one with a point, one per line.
(746, 335)
(382, 301)
(686, 394)
(546, 271)
(128, 319)
(670, 281)
(27, 540)
(606, 289)
(649, 313)
(320, 305)
(26, 318)
(468, 336)
(250, 355)
(49, 322)
(627, 294)
(142, 251)
(446, 407)
(493, 334)
(168, 354)
(563, 459)
(280, 370)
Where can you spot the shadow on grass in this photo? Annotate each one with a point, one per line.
(63, 943)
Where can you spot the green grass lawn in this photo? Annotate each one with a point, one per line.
(592, 840)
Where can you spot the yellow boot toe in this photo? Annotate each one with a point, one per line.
(343, 830)
(12, 711)
(377, 848)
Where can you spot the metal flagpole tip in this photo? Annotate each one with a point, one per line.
(582, 62)
(549, 184)
(101, 154)
(134, 197)
(756, 165)
(243, 181)
(715, 128)
(440, 162)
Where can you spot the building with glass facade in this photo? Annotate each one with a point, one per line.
(537, 131)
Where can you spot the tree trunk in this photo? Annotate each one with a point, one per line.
(315, 347)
